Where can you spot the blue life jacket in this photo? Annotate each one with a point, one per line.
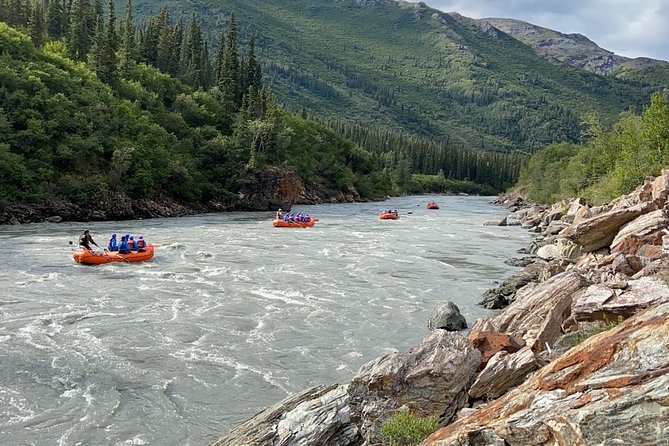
(123, 247)
(112, 244)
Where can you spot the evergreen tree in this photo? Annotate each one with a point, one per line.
(55, 20)
(229, 78)
(166, 45)
(252, 72)
(220, 58)
(36, 23)
(78, 42)
(112, 35)
(127, 41)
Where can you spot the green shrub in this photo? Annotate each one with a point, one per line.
(406, 429)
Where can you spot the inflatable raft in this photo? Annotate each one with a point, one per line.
(293, 224)
(389, 216)
(432, 205)
(95, 258)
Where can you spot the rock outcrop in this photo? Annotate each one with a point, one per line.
(407, 381)
(611, 389)
(316, 416)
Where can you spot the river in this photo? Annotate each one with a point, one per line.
(231, 315)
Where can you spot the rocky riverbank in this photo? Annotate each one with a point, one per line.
(266, 190)
(577, 355)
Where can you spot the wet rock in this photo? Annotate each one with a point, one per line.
(499, 221)
(504, 294)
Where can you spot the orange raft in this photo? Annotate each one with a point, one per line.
(277, 223)
(93, 258)
(389, 216)
(432, 205)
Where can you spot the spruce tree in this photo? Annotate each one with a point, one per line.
(55, 20)
(36, 23)
(229, 78)
(127, 42)
(112, 35)
(78, 41)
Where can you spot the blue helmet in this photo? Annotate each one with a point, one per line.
(141, 237)
(113, 236)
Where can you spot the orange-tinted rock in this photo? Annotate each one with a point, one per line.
(490, 343)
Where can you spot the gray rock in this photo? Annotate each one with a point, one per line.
(314, 417)
(445, 361)
(447, 317)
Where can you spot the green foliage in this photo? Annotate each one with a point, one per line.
(613, 162)
(406, 429)
(424, 184)
(64, 132)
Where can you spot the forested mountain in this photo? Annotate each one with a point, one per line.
(408, 67)
(579, 51)
(95, 110)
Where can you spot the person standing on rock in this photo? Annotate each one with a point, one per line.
(86, 239)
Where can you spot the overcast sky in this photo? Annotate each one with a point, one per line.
(632, 28)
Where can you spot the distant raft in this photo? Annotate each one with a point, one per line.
(278, 223)
(95, 258)
(389, 216)
(432, 205)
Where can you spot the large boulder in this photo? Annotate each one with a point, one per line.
(537, 315)
(503, 371)
(599, 231)
(646, 229)
(613, 389)
(313, 417)
(446, 316)
(430, 379)
(601, 302)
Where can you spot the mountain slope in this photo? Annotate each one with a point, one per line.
(411, 68)
(579, 51)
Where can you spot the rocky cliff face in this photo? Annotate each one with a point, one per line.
(579, 355)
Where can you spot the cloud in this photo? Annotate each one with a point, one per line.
(632, 28)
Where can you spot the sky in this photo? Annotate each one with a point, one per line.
(632, 28)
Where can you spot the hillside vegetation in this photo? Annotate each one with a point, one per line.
(408, 67)
(613, 162)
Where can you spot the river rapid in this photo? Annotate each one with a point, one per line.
(231, 315)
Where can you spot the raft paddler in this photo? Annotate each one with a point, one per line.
(86, 239)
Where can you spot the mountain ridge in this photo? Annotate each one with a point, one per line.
(573, 49)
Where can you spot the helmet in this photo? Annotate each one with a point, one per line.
(131, 238)
(141, 237)
(113, 235)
